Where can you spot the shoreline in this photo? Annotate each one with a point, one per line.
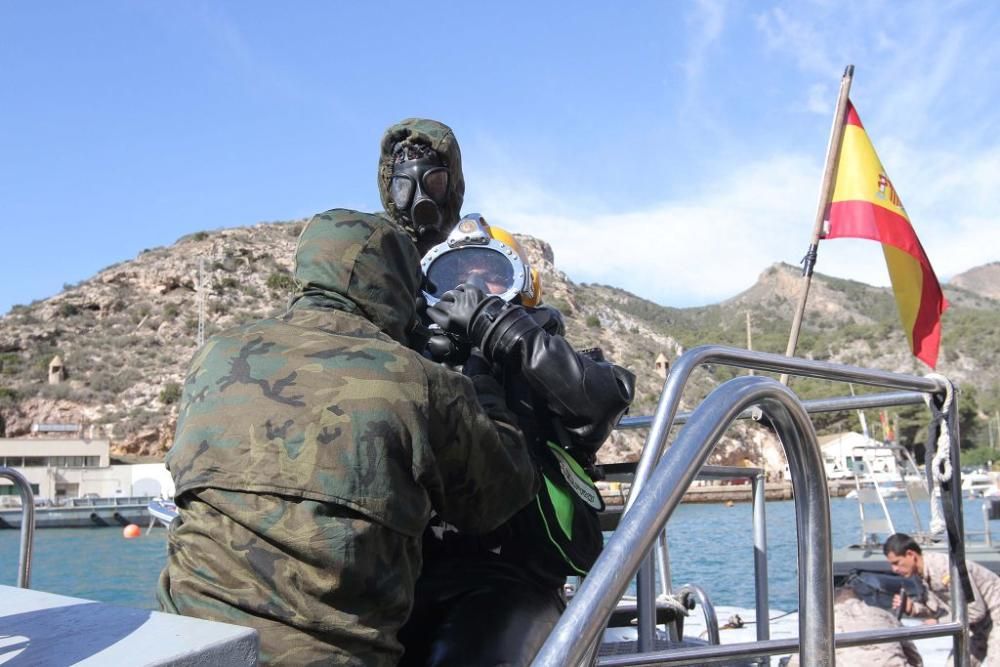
(614, 493)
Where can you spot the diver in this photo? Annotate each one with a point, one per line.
(493, 599)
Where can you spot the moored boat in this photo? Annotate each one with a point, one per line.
(162, 511)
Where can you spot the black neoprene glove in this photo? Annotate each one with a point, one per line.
(447, 350)
(458, 308)
(417, 332)
(487, 322)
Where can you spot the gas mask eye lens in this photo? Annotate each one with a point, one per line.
(436, 184)
(401, 190)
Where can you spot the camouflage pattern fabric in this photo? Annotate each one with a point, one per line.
(984, 609)
(439, 137)
(311, 448)
(854, 615)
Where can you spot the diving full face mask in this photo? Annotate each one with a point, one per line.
(472, 254)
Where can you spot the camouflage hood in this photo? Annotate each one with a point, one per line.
(359, 263)
(439, 137)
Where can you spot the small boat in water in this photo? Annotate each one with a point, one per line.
(878, 521)
(161, 511)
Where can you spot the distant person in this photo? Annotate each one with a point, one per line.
(908, 560)
(493, 599)
(420, 179)
(852, 614)
(311, 448)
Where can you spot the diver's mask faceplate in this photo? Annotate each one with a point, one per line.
(471, 255)
(419, 189)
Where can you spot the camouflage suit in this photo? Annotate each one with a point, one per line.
(311, 448)
(984, 610)
(854, 615)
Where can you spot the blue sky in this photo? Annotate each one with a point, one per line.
(673, 149)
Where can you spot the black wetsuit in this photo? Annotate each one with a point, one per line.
(493, 599)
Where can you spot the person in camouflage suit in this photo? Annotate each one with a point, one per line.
(852, 614)
(311, 448)
(907, 559)
(420, 179)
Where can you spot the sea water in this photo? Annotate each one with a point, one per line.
(710, 545)
(92, 563)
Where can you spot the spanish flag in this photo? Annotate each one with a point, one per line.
(865, 205)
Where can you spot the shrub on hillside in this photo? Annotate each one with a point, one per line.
(67, 309)
(171, 393)
(281, 281)
(10, 363)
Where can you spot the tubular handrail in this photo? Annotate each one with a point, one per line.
(666, 414)
(888, 399)
(585, 616)
(709, 654)
(27, 525)
(707, 610)
(666, 409)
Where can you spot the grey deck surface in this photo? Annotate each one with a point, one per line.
(44, 629)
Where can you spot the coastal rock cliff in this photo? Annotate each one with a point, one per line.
(125, 336)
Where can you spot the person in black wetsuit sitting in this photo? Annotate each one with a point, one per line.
(493, 599)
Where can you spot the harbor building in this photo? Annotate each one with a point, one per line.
(61, 468)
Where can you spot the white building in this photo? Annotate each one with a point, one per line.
(852, 454)
(71, 468)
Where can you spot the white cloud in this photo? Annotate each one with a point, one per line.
(715, 243)
(685, 252)
(787, 33)
(707, 22)
(821, 99)
(924, 100)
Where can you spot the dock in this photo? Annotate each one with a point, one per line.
(614, 493)
(83, 513)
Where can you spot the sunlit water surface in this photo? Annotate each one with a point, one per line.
(710, 545)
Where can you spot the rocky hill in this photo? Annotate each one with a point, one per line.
(125, 336)
(983, 280)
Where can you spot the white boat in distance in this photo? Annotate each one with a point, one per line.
(161, 511)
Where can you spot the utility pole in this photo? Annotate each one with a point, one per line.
(997, 416)
(749, 337)
(201, 301)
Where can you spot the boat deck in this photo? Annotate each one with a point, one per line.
(46, 629)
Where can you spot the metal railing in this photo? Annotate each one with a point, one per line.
(610, 576)
(647, 510)
(27, 525)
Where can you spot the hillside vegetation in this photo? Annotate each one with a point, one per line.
(126, 335)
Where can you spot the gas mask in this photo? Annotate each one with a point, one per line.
(419, 189)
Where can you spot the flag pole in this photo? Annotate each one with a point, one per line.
(825, 192)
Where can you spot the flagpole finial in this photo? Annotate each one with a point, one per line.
(849, 71)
